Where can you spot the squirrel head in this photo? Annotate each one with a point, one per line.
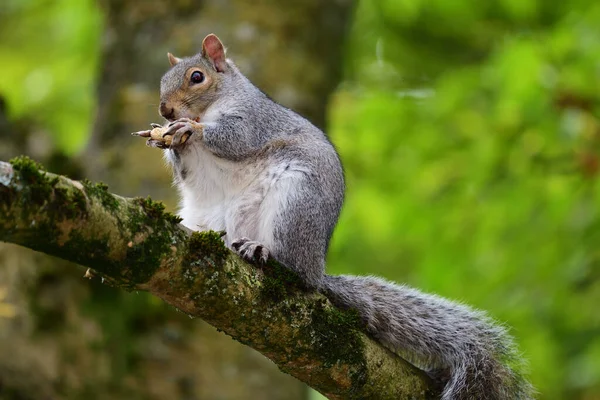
(192, 84)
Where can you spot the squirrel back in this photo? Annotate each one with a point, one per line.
(274, 183)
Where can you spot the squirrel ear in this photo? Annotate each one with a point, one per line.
(173, 60)
(213, 49)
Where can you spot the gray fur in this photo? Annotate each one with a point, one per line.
(274, 183)
(475, 355)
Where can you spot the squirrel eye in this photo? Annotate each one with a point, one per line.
(197, 77)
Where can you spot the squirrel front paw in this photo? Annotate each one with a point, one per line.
(172, 136)
(251, 250)
(179, 131)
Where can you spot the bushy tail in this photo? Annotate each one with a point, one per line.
(475, 356)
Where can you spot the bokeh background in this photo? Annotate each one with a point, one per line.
(470, 136)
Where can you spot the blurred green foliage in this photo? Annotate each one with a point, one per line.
(470, 135)
(49, 52)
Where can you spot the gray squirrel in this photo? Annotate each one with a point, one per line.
(273, 182)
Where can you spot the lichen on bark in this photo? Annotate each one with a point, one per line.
(137, 245)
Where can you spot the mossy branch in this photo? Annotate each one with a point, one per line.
(135, 244)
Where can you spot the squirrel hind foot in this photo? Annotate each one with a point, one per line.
(251, 250)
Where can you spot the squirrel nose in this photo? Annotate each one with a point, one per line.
(166, 112)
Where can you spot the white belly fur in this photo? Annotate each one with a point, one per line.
(243, 200)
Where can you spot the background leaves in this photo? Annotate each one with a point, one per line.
(470, 136)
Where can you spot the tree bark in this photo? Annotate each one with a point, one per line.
(134, 244)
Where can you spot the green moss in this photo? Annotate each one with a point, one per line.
(143, 219)
(68, 204)
(143, 258)
(156, 209)
(204, 244)
(279, 281)
(100, 192)
(43, 237)
(342, 341)
(78, 199)
(29, 170)
(149, 220)
(89, 251)
(41, 190)
(36, 185)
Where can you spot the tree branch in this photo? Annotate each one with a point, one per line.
(135, 244)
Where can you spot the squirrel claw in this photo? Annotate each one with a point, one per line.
(154, 125)
(156, 143)
(141, 133)
(181, 136)
(251, 250)
(180, 130)
(172, 127)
